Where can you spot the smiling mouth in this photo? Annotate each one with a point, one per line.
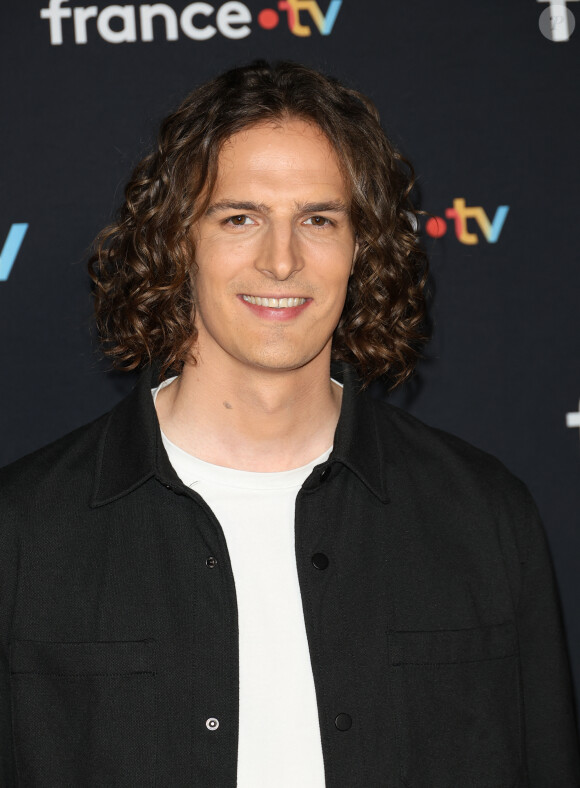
(274, 303)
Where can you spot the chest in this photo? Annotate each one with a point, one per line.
(406, 607)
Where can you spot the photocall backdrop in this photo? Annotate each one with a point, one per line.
(481, 96)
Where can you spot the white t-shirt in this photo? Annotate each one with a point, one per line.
(279, 732)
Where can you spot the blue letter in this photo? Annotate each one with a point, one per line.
(11, 248)
(497, 224)
(330, 18)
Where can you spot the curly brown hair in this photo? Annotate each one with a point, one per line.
(143, 265)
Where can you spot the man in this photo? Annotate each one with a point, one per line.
(250, 573)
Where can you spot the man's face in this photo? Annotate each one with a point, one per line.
(274, 250)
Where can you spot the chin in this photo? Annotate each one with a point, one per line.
(283, 363)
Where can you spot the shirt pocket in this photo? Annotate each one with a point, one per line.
(84, 713)
(456, 703)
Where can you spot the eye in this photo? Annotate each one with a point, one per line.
(239, 221)
(318, 221)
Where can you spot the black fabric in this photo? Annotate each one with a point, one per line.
(434, 627)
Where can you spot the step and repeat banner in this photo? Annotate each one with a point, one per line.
(481, 96)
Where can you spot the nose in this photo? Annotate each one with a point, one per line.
(279, 256)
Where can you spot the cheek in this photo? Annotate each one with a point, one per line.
(214, 266)
(222, 260)
(338, 268)
(206, 286)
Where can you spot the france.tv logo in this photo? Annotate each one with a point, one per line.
(124, 24)
(460, 213)
(268, 18)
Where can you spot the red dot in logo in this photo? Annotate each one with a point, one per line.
(268, 18)
(436, 227)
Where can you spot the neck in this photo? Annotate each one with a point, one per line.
(254, 420)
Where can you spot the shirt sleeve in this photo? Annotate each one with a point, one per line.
(550, 729)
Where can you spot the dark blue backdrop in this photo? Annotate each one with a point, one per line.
(478, 95)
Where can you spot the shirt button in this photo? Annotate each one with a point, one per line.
(343, 722)
(320, 561)
(325, 474)
(212, 724)
(211, 561)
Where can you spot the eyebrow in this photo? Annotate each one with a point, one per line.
(336, 206)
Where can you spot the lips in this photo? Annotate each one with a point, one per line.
(274, 303)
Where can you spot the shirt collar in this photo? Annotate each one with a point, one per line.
(357, 445)
(131, 450)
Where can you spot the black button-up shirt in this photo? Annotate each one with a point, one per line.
(428, 598)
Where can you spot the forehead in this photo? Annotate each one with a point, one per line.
(290, 152)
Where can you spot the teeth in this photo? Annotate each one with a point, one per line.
(275, 303)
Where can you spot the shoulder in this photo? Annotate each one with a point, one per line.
(447, 462)
(65, 464)
(452, 481)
